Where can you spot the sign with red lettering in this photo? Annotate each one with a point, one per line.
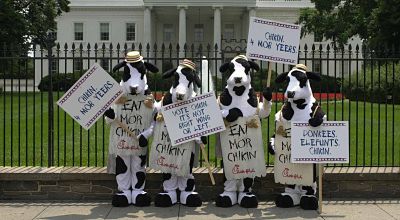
(167, 158)
(193, 118)
(286, 172)
(242, 149)
(137, 117)
(328, 143)
(88, 99)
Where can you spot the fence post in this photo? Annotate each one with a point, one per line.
(50, 43)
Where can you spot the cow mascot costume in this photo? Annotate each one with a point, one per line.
(134, 112)
(300, 105)
(241, 142)
(176, 162)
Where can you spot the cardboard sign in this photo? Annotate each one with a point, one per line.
(195, 117)
(286, 172)
(273, 41)
(90, 96)
(328, 143)
(167, 158)
(138, 117)
(242, 150)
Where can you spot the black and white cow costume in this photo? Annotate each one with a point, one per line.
(300, 105)
(128, 165)
(182, 89)
(240, 100)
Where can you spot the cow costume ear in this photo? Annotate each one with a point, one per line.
(150, 67)
(119, 66)
(169, 73)
(224, 67)
(281, 77)
(197, 80)
(313, 76)
(254, 65)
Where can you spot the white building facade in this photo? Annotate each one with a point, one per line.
(165, 22)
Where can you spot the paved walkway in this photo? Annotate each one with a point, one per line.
(335, 209)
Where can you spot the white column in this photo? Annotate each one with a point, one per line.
(182, 28)
(217, 26)
(147, 38)
(252, 13)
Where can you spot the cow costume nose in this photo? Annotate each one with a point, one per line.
(238, 79)
(133, 89)
(180, 96)
(290, 94)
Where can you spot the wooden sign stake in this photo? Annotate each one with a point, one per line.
(320, 173)
(269, 73)
(203, 151)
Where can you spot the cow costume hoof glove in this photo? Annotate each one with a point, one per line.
(234, 114)
(109, 113)
(248, 200)
(315, 122)
(120, 201)
(143, 200)
(284, 201)
(309, 203)
(142, 141)
(267, 94)
(193, 200)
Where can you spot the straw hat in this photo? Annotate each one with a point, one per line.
(301, 67)
(187, 63)
(240, 57)
(133, 57)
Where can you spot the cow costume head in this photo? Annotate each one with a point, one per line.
(134, 80)
(299, 85)
(184, 78)
(239, 73)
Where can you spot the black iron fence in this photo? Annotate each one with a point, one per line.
(360, 86)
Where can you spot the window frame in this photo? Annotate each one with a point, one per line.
(100, 31)
(75, 32)
(134, 33)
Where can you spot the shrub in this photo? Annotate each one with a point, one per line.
(372, 90)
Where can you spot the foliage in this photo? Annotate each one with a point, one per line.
(380, 88)
(22, 21)
(376, 22)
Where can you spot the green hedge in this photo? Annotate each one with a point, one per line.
(372, 90)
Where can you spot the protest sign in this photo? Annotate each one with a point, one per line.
(90, 96)
(328, 143)
(193, 118)
(137, 117)
(273, 41)
(242, 149)
(168, 158)
(285, 171)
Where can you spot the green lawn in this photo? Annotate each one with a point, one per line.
(24, 133)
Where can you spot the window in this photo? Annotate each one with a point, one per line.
(168, 32)
(198, 33)
(317, 66)
(104, 64)
(104, 31)
(78, 31)
(78, 65)
(54, 66)
(229, 31)
(130, 31)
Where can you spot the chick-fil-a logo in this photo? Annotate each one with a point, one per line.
(160, 162)
(236, 170)
(122, 144)
(285, 173)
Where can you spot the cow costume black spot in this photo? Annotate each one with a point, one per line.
(128, 166)
(182, 89)
(300, 105)
(240, 100)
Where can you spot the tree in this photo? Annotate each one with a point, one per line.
(23, 21)
(376, 22)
